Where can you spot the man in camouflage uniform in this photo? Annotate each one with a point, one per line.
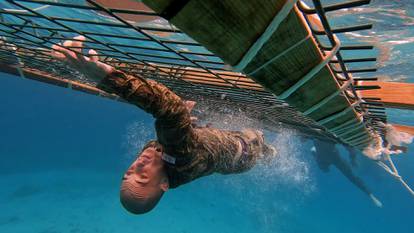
(327, 155)
(181, 152)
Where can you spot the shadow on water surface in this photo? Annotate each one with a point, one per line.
(10, 220)
(25, 191)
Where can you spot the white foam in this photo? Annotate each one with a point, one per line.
(275, 188)
(375, 149)
(400, 42)
(394, 138)
(137, 135)
(288, 168)
(357, 35)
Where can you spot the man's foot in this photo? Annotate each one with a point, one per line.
(375, 200)
(269, 152)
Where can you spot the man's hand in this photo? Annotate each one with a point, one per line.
(190, 105)
(91, 67)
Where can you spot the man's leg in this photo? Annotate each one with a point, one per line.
(269, 152)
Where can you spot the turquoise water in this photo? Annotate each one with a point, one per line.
(63, 154)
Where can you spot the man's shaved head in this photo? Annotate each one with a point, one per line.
(145, 181)
(139, 199)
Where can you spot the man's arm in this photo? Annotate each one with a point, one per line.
(173, 122)
(173, 118)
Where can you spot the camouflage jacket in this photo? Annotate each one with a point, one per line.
(191, 152)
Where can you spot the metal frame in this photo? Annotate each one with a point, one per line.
(350, 90)
(207, 76)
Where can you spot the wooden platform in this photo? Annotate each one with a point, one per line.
(277, 118)
(404, 128)
(392, 94)
(270, 60)
(289, 63)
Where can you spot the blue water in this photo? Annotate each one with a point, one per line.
(63, 154)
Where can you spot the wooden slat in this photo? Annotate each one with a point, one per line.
(47, 78)
(392, 94)
(404, 128)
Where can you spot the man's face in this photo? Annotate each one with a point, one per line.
(144, 182)
(147, 169)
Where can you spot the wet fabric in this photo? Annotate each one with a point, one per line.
(199, 151)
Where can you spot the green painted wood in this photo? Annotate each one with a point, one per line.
(217, 24)
(229, 27)
(340, 120)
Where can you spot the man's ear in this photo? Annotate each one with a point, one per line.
(164, 185)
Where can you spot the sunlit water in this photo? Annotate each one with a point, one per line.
(63, 154)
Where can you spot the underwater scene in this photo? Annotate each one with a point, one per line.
(64, 154)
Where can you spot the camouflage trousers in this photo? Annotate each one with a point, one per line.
(251, 148)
